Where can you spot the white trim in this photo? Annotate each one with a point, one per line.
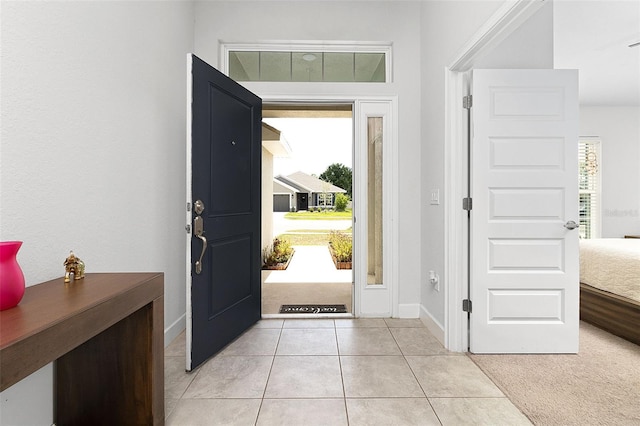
(189, 202)
(393, 186)
(455, 260)
(502, 23)
(174, 330)
(265, 91)
(434, 326)
(309, 46)
(408, 310)
(506, 20)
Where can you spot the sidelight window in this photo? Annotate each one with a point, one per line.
(374, 199)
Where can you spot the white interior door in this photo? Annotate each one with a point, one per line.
(524, 256)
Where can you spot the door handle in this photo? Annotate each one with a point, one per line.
(198, 231)
(571, 225)
(204, 248)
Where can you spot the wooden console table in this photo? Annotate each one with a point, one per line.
(105, 333)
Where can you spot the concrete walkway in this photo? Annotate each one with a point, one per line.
(310, 278)
(309, 264)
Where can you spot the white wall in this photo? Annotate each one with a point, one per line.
(530, 46)
(396, 22)
(267, 198)
(619, 131)
(93, 147)
(446, 27)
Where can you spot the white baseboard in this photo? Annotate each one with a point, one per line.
(171, 332)
(434, 326)
(409, 310)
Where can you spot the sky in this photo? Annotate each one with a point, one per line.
(316, 143)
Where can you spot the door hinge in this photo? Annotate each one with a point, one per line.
(467, 102)
(467, 204)
(466, 305)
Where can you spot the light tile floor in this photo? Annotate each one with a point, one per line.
(334, 372)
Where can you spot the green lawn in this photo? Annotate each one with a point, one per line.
(325, 215)
(307, 237)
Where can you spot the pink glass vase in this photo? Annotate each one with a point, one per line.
(11, 276)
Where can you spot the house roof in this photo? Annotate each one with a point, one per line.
(307, 183)
(280, 187)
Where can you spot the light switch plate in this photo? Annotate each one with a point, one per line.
(435, 197)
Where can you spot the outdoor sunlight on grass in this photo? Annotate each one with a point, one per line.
(323, 215)
(308, 237)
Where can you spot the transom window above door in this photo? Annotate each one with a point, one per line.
(309, 63)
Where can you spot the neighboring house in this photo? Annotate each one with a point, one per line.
(284, 196)
(300, 191)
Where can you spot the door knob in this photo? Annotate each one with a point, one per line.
(571, 225)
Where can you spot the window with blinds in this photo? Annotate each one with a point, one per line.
(589, 183)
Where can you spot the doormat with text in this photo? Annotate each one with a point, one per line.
(313, 309)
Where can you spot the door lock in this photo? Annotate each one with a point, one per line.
(198, 206)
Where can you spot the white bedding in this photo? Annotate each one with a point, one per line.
(612, 264)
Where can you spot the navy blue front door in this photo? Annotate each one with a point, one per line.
(303, 201)
(226, 147)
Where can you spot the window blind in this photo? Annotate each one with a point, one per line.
(589, 185)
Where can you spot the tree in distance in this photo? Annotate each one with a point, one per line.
(338, 175)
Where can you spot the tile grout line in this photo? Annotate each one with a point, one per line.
(344, 391)
(335, 329)
(273, 360)
(416, 378)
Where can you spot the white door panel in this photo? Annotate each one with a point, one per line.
(375, 209)
(524, 262)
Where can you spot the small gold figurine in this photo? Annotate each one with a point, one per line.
(73, 265)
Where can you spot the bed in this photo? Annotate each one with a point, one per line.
(610, 285)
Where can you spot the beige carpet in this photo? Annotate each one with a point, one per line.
(598, 386)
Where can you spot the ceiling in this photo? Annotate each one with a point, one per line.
(593, 37)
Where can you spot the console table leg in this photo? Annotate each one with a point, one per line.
(116, 377)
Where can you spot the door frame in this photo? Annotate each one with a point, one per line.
(508, 18)
(390, 186)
